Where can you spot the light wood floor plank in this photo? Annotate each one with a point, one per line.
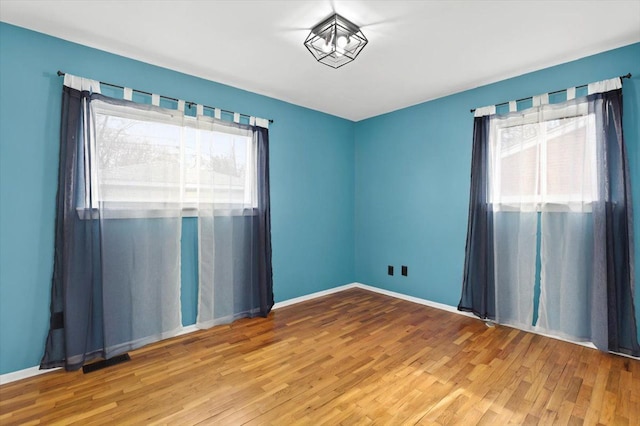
(352, 358)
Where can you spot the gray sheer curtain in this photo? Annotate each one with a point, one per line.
(75, 330)
(140, 231)
(116, 279)
(587, 288)
(613, 321)
(234, 239)
(478, 284)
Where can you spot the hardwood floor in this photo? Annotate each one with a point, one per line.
(354, 357)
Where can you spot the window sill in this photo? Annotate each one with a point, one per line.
(525, 207)
(150, 213)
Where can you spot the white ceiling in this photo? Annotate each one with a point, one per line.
(417, 51)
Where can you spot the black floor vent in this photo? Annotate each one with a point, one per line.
(105, 363)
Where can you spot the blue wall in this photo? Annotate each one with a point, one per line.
(413, 172)
(348, 198)
(312, 157)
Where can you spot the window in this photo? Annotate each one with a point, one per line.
(155, 159)
(543, 157)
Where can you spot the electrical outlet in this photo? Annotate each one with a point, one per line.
(390, 270)
(405, 270)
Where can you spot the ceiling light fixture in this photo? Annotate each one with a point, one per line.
(335, 41)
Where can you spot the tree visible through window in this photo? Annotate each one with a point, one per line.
(151, 159)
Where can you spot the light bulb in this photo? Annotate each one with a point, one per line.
(326, 47)
(342, 41)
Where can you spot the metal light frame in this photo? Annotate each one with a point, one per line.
(335, 41)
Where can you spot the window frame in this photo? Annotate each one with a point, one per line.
(90, 206)
(541, 200)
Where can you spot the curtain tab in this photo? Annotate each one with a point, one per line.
(262, 122)
(571, 93)
(604, 86)
(82, 84)
(540, 100)
(544, 99)
(236, 117)
(199, 110)
(513, 106)
(181, 104)
(535, 101)
(487, 110)
(128, 94)
(217, 114)
(155, 99)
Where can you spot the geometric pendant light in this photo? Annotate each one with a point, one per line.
(335, 41)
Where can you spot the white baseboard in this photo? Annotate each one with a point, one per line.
(312, 296)
(327, 292)
(389, 293)
(35, 371)
(454, 310)
(23, 374)
(418, 300)
(188, 329)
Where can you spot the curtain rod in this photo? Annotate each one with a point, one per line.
(187, 103)
(628, 75)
